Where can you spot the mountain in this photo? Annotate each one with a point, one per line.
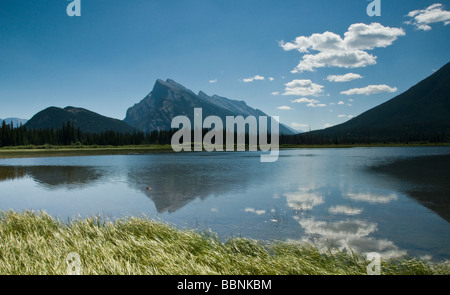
(169, 99)
(87, 121)
(16, 121)
(420, 113)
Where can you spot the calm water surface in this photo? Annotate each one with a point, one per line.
(331, 197)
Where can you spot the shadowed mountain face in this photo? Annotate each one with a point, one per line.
(420, 113)
(174, 185)
(53, 177)
(427, 179)
(86, 120)
(169, 99)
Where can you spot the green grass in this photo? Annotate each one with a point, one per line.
(327, 146)
(36, 243)
(71, 151)
(31, 151)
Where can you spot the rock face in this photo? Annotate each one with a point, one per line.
(169, 99)
(87, 121)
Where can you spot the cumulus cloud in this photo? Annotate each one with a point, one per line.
(344, 78)
(299, 126)
(341, 59)
(316, 105)
(303, 88)
(346, 210)
(344, 229)
(347, 234)
(284, 108)
(310, 102)
(327, 125)
(348, 52)
(275, 93)
(213, 81)
(371, 89)
(257, 212)
(372, 198)
(254, 78)
(305, 100)
(304, 199)
(423, 18)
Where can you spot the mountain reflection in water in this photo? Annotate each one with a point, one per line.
(368, 200)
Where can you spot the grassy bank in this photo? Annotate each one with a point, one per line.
(71, 151)
(33, 243)
(80, 150)
(334, 146)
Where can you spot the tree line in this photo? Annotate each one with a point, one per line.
(69, 135)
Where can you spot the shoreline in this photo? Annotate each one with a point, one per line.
(136, 246)
(79, 151)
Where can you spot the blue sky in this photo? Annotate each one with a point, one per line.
(108, 59)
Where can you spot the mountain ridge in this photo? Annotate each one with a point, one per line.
(169, 99)
(420, 113)
(86, 120)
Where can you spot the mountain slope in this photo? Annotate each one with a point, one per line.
(169, 99)
(421, 110)
(86, 120)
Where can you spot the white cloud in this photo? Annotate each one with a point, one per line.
(347, 234)
(305, 100)
(213, 81)
(341, 103)
(432, 14)
(346, 210)
(257, 212)
(316, 105)
(254, 78)
(303, 88)
(368, 37)
(347, 52)
(372, 198)
(349, 116)
(304, 199)
(271, 78)
(284, 108)
(341, 59)
(275, 93)
(344, 229)
(327, 125)
(371, 89)
(344, 78)
(299, 126)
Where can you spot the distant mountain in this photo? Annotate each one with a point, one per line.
(87, 121)
(420, 113)
(169, 99)
(16, 121)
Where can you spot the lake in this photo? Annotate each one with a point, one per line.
(393, 201)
